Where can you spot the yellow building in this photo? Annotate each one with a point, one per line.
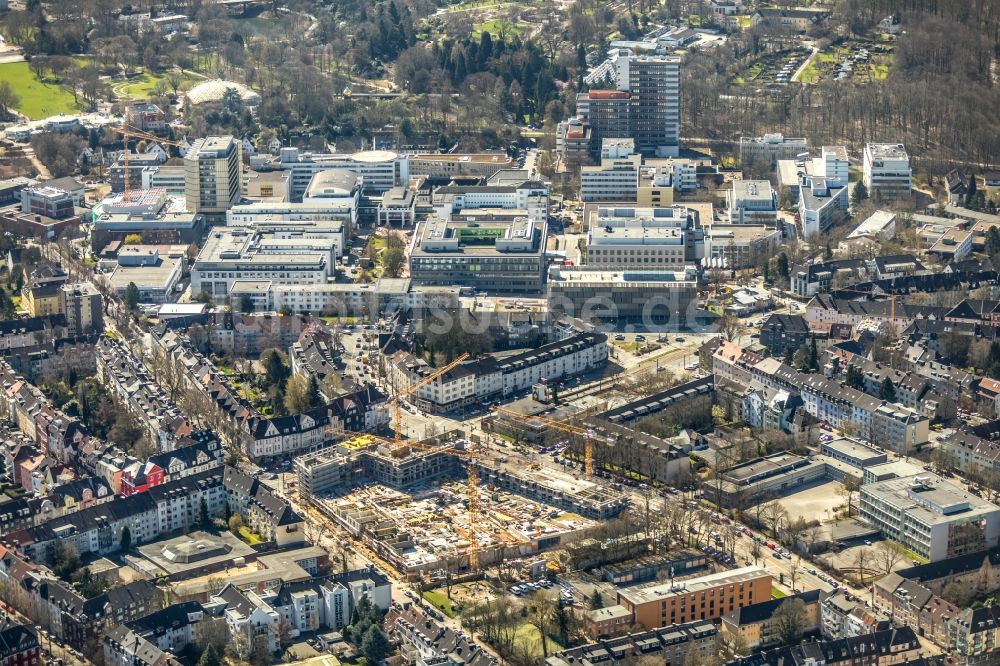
(41, 300)
(758, 624)
(654, 195)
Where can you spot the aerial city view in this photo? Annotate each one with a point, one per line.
(500, 333)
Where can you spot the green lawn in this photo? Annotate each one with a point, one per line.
(251, 537)
(908, 554)
(528, 636)
(441, 601)
(497, 26)
(777, 594)
(38, 99)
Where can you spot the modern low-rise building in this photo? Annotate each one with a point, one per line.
(643, 238)
(704, 598)
(736, 246)
(770, 148)
(930, 516)
(656, 297)
(886, 170)
(239, 254)
(495, 256)
(753, 202)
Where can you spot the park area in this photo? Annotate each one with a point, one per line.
(39, 99)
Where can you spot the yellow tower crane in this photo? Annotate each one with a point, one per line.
(472, 456)
(397, 410)
(586, 433)
(133, 133)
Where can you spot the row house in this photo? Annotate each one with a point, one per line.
(126, 378)
(19, 646)
(124, 647)
(56, 433)
(193, 457)
(888, 425)
(168, 630)
(969, 636)
(261, 509)
(424, 642)
(972, 454)
(831, 309)
(62, 611)
(250, 617)
(327, 602)
(166, 509)
(239, 424)
(881, 648)
(843, 615)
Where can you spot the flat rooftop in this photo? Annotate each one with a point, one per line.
(145, 277)
(621, 278)
(238, 247)
(852, 448)
(929, 498)
(193, 551)
(763, 468)
(663, 591)
(484, 158)
(887, 151)
(752, 190)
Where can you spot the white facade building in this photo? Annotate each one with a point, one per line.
(887, 172)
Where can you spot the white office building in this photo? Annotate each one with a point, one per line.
(931, 516)
(753, 202)
(887, 173)
(616, 179)
(643, 238)
(230, 255)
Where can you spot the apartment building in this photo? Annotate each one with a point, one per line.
(654, 102)
(213, 175)
(887, 425)
(645, 106)
(486, 378)
(704, 598)
(146, 117)
(83, 306)
(753, 202)
(630, 238)
(423, 641)
(886, 170)
(930, 516)
(759, 626)
(682, 644)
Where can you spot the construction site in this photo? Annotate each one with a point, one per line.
(412, 506)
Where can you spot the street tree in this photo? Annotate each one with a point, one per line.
(790, 620)
(131, 296)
